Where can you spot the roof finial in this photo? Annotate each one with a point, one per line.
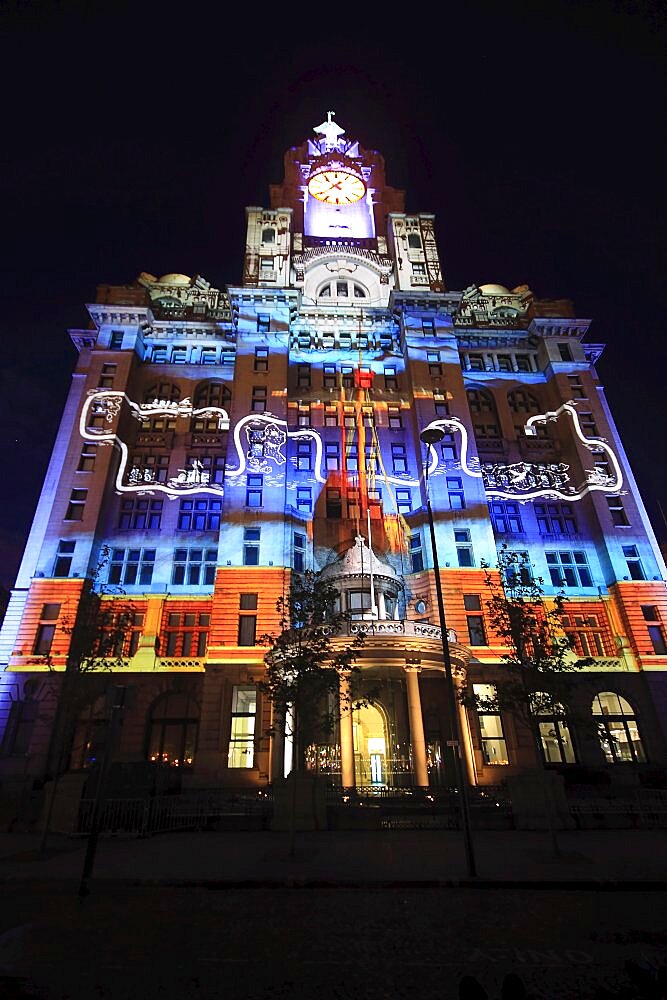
(330, 130)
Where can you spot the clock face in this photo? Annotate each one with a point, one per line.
(336, 187)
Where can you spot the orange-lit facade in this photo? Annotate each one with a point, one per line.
(214, 441)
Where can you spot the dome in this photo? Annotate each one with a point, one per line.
(358, 560)
(174, 279)
(494, 290)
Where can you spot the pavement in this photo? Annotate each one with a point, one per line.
(591, 859)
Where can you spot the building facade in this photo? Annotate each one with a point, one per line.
(214, 441)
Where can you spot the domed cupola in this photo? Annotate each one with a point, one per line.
(369, 587)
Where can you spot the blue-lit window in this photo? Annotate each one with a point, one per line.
(261, 359)
(517, 570)
(352, 458)
(565, 352)
(303, 454)
(555, 518)
(428, 327)
(347, 375)
(64, 557)
(349, 416)
(304, 499)
(212, 467)
(635, 568)
(303, 415)
(194, 567)
(254, 491)
(200, 515)
(131, 566)
(263, 323)
(416, 553)
(299, 552)
(394, 416)
(332, 456)
(404, 501)
(208, 355)
(617, 510)
(116, 341)
(569, 569)
(434, 366)
(251, 538)
(258, 401)
(455, 490)
(506, 517)
(329, 376)
(399, 458)
(331, 415)
(464, 552)
(390, 379)
(441, 407)
(140, 514)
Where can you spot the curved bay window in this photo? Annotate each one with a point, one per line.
(172, 730)
(619, 735)
(555, 737)
(213, 393)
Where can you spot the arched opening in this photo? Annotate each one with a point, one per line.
(619, 732)
(372, 753)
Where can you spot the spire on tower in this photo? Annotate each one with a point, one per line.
(331, 131)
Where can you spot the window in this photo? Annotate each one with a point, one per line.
(390, 379)
(172, 730)
(482, 406)
(370, 459)
(347, 376)
(455, 491)
(131, 566)
(506, 517)
(140, 514)
(268, 236)
(358, 602)
(359, 292)
(617, 511)
(588, 425)
(341, 289)
(587, 635)
(19, 729)
(352, 497)
(334, 503)
(330, 415)
(332, 456)
(414, 241)
(475, 622)
(352, 458)
(303, 415)
(349, 416)
(476, 363)
(194, 567)
(367, 416)
(504, 362)
(620, 739)
(107, 376)
(440, 405)
(254, 491)
(64, 558)
(635, 568)
(200, 514)
(434, 366)
(521, 401)
(261, 359)
(303, 454)
(247, 630)
(116, 341)
(448, 447)
(263, 323)
(211, 467)
(329, 376)
(569, 569)
(555, 738)
(428, 327)
(394, 416)
(258, 401)
(242, 733)
(88, 456)
(304, 499)
(494, 747)
(464, 552)
(303, 376)
(523, 363)
(251, 538)
(404, 501)
(655, 631)
(576, 387)
(208, 355)
(399, 458)
(299, 552)
(148, 469)
(210, 394)
(565, 352)
(555, 519)
(44, 638)
(517, 570)
(266, 266)
(186, 634)
(77, 502)
(416, 553)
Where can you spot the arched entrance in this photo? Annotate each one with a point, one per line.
(372, 752)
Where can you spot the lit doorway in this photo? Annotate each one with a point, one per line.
(371, 755)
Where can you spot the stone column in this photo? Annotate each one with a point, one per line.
(417, 741)
(346, 738)
(381, 606)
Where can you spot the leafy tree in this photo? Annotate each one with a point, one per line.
(540, 668)
(305, 662)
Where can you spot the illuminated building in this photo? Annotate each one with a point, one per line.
(214, 441)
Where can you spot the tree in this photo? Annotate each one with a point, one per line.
(305, 663)
(540, 667)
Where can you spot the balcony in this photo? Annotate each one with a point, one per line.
(389, 627)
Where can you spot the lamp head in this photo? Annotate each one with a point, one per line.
(431, 435)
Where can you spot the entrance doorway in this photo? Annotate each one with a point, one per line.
(371, 752)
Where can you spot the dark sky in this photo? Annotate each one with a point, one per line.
(135, 135)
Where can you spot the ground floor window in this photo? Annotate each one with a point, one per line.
(555, 738)
(172, 730)
(619, 735)
(494, 747)
(242, 735)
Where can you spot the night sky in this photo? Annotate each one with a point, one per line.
(134, 140)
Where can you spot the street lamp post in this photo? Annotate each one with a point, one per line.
(431, 436)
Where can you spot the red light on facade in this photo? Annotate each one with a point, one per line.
(363, 379)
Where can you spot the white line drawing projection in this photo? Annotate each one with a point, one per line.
(259, 440)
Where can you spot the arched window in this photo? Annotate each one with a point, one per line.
(172, 730)
(555, 735)
(619, 734)
(342, 290)
(521, 401)
(484, 414)
(210, 393)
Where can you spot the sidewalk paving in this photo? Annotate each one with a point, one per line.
(590, 859)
